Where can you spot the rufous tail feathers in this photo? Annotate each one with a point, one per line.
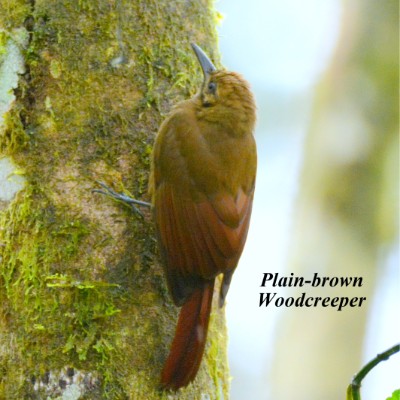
(188, 345)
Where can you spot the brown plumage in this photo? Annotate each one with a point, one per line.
(202, 185)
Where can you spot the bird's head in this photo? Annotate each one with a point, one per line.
(224, 94)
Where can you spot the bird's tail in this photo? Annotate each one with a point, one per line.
(187, 347)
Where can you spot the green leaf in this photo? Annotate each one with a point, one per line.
(395, 395)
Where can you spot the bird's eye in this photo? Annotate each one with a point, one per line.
(212, 86)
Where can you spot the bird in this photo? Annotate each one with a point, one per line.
(201, 185)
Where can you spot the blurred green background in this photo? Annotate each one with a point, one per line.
(325, 75)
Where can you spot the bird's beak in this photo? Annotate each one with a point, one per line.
(206, 65)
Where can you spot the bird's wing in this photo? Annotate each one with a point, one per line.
(199, 240)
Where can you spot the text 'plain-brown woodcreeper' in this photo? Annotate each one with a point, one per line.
(202, 185)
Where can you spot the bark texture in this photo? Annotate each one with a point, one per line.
(84, 309)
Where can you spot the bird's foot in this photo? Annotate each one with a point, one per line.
(122, 197)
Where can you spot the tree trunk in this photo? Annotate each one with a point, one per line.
(84, 307)
(347, 211)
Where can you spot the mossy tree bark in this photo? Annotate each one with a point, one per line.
(84, 307)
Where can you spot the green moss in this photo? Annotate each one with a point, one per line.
(13, 13)
(14, 136)
(80, 283)
(59, 312)
(217, 355)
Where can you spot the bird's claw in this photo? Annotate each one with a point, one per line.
(121, 197)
